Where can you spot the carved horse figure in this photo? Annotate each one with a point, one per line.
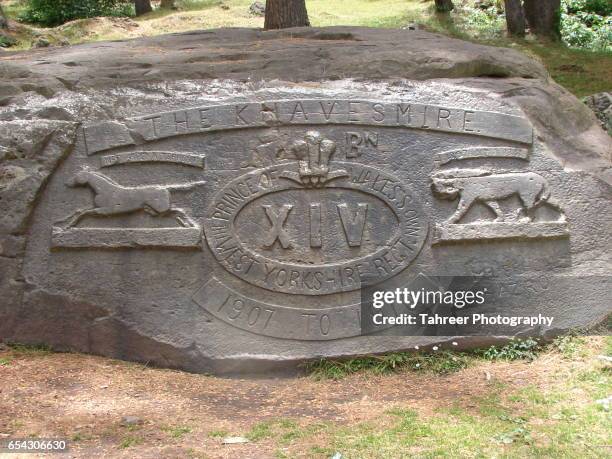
(110, 198)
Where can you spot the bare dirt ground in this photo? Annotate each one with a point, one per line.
(84, 398)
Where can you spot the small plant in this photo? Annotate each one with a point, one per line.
(515, 350)
(6, 41)
(568, 345)
(518, 435)
(218, 433)
(260, 431)
(80, 436)
(177, 431)
(4, 361)
(130, 441)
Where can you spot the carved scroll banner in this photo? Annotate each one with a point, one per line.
(278, 321)
(481, 153)
(153, 157)
(309, 112)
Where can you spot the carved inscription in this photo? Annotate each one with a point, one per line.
(277, 232)
(275, 320)
(244, 256)
(353, 223)
(315, 225)
(356, 142)
(402, 114)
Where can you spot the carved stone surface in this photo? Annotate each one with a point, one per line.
(226, 226)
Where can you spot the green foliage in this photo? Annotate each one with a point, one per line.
(56, 12)
(484, 23)
(515, 350)
(584, 24)
(587, 24)
(569, 346)
(442, 362)
(6, 41)
(600, 7)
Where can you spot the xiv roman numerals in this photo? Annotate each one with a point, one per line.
(352, 218)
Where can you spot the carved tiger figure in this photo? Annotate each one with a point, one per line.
(473, 186)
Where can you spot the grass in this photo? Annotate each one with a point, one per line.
(30, 350)
(22, 350)
(444, 361)
(439, 363)
(582, 72)
(558, 419)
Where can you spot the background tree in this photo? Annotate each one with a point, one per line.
(444, 6)
(544, 17)
(167, 4)
(281, 14)
(3, 20)
(142, 6)
(515, 17)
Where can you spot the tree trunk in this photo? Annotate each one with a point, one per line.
(281, 14)
(3, 20)
(515, 17)
(167, 4)
(444, 6)
(544, 17)
(142, 6)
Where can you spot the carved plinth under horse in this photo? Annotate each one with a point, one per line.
(111, 198)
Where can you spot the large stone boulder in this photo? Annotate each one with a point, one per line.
(214, 200)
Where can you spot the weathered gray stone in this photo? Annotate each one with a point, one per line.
(601, 104)
(212, 200)
(257, 9)
(127, 421)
